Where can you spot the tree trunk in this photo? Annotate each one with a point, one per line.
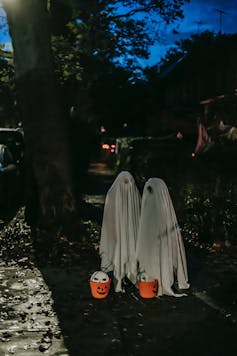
(46, 136)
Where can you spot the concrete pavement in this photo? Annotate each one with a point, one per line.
(49, 310)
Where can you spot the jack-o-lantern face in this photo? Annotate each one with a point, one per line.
(100, 284)
(147, 288)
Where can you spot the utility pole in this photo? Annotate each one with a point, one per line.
(221, 13)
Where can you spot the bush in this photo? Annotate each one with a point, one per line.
(208, 215)
(203, 189)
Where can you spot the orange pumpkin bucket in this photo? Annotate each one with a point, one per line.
(148, 289)
(100, 285)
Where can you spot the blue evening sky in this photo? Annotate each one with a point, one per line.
(199, 15)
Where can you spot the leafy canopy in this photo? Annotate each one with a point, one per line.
(112, 30)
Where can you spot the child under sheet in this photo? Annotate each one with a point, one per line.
(160, 251)
(119, 230)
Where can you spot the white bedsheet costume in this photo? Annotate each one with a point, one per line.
(119, 230)
(160, 250)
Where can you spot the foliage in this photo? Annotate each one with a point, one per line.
(67, 60)
(114, 30)
(203, 190)
(89, 38)
(207, 217)
(204, 52)
(124, 156)
(7, 91)
(189, 45)
(93, 233)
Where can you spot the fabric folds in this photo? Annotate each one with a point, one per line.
(160, 251)
(119, 230)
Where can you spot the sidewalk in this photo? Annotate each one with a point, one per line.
(214, 280)
(56, 315)
(49, 310)
(28, 322)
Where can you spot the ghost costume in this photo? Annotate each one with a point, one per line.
(119, 230)
(160, 250)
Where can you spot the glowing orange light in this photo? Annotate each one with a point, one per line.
(193, 154)
(113, 146)
(105, 146)
(112, 150)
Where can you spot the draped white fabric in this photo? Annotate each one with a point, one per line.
(160, 250)
(119, 229)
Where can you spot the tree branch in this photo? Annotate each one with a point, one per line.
(135, 11)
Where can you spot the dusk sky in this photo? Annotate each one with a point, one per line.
(199, 15)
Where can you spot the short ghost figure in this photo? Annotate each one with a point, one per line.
(160, 250)
(119, 230)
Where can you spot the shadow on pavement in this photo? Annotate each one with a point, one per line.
(123, 324)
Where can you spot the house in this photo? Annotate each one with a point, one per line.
(201, 85)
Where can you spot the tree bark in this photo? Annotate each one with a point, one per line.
(46, 137)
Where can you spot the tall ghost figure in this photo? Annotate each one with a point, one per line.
(160, 250)
(119, 230)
